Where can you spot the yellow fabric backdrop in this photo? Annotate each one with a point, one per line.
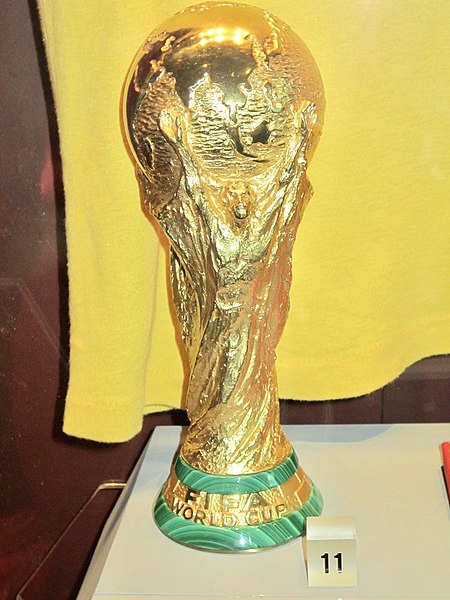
(371, 286)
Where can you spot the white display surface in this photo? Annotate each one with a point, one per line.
(388, 477)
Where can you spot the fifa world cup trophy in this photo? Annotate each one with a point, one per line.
(222, 109)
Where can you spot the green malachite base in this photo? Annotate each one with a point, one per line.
(244, 538)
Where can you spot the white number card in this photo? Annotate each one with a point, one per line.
(331, 551)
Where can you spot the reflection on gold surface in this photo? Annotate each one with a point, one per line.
(224, 105)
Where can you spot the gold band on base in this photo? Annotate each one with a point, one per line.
(237, 510)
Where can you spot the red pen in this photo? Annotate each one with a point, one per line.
(445, 447)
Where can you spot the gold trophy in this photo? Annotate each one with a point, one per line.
(222, 109)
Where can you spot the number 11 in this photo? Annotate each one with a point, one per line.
(326, 561)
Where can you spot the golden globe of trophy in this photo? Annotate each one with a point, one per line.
(222, 109)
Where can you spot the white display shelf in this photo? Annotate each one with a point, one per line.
(388, 477)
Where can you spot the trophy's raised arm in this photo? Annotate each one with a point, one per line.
(223, 107)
